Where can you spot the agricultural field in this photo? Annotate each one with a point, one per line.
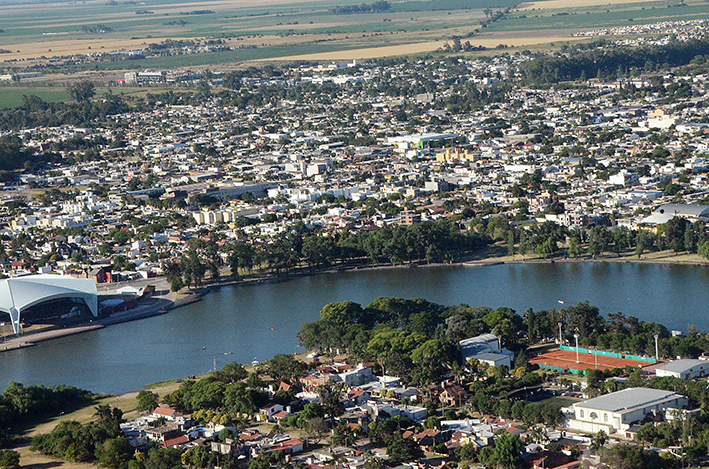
(552, 15)
(304, 29)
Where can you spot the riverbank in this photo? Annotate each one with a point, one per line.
(164, 300)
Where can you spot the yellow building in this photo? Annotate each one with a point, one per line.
(455, 154)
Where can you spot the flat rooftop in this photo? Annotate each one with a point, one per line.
(628, 399)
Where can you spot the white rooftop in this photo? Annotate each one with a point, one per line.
(628, 399)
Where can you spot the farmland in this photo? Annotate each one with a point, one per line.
(218, 32)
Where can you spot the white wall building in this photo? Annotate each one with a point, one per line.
(485, 348)
(619, 410)
(684, 369)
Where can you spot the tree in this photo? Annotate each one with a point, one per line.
(9, 459)
(507, 453)
(316, 428)
(598, 240)
(625, 456)
(285, 368)
(343, 435)
(82, 91)
(703, 250)
(115, 453)
(599, 441)
(232, 373)
(402, 450)
(147, 401)
(163, 458)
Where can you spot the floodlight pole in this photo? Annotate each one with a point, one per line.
(576, 336)
(560, 342)
(657, 350)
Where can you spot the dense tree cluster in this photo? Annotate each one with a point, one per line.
(27, 403)
(302, 248)
(414, 339)
(87, 443)
(609, 62)
(374, 7)
(34, 112)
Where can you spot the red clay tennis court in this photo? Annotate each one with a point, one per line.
(567, 360)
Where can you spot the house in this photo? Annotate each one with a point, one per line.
(452, 395)
(546, 460)
(429, 437)
(278, 416)
(172, 416)
(223, 448)
(165, 412)
(163, 433)
(290, 446)
(175, 442)
(266, 413)
(617, 411)
(357, 397)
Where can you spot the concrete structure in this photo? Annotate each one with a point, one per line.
(619, 410)
(485, 348)
(684, 369)
(18, 294)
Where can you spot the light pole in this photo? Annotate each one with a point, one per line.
(576, 337)
(560, 342)
(657, 350)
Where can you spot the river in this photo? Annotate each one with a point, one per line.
(243, 323)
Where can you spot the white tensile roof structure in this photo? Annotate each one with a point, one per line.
(18, 294)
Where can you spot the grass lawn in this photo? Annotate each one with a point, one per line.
(12, 96)
(564, 401)
(34, 460)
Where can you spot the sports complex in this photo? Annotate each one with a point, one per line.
(568, 359)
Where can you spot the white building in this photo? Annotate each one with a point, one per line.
(619, 410)
(684, 369)
(485, 348)
(19, 294)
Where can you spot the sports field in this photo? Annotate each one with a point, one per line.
(567, 360)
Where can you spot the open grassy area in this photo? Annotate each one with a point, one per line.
(33, 460)
(12, 97)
